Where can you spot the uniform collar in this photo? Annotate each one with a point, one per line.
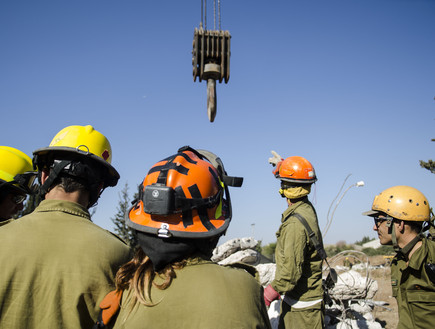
(418, 256)
(63, 206)
(292, 208)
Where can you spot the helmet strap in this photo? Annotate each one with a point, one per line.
(54, 173)
(392, 231)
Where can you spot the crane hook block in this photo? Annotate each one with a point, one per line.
(211, 62)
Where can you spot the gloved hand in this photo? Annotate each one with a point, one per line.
(275, 159)
(270, 295)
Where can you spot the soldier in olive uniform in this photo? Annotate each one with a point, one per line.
(298, 256)
(401, 214)
(182, 209)
(56, 264)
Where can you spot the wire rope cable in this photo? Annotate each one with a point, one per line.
(216, 7)
(219, 14)
(328, 220)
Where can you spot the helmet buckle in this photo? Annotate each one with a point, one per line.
(163, 231)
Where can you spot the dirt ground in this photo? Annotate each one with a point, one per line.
(388, 316)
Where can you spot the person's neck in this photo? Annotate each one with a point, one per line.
(58, 193)
(406, 239)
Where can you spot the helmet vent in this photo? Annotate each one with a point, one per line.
(410, 201)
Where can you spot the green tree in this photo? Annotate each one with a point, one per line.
(121, 228)
(364, 240)
(269, 250)
(429, 164)
(382, 250)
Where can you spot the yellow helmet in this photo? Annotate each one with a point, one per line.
(14, 167)
(75, 142)
(401, 202)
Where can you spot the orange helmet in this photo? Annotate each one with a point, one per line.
(296, 169)
(185, 195)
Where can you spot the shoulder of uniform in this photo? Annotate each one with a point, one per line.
(248, 268)
(117, 237)
(7, 221)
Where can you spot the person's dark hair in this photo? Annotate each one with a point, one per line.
(86, 176)
(70, 184)
(414, 225)
(4, 191)
(138, 276)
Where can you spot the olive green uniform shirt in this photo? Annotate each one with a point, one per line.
(56, 268)
(202, 295)
(6, 221)
(412, 288)
(298, 265)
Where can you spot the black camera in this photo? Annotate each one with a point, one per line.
(159, 199)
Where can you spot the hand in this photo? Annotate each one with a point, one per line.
(270, 295)
(275, 159)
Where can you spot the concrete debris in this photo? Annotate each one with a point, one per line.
(247, 256)
(230, 247)
(351, 285)
(266, 273)
(355, 314)
(351, 298)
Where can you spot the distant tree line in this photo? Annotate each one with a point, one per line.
(429, 164)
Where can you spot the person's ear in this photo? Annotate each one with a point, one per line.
(44, 176)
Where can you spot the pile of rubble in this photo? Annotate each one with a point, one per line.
(351, 298)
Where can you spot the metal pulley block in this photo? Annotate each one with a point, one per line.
(211, 62)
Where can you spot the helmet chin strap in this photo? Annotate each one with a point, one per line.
(392, 232)
(45, 187)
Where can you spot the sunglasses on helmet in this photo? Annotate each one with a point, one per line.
(27, 181)
(380, 219)
(18, 198)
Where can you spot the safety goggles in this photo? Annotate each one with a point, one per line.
(18, 198)
(27, 181)
(379, 220)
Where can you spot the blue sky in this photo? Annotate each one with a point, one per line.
(348, 84)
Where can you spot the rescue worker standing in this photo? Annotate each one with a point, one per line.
(56, 264)
(298, 274)
(16, 181)
(182, 209)
(400, 213)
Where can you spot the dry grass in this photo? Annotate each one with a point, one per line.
(388, 318)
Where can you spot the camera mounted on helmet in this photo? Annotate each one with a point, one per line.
(186, 194)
